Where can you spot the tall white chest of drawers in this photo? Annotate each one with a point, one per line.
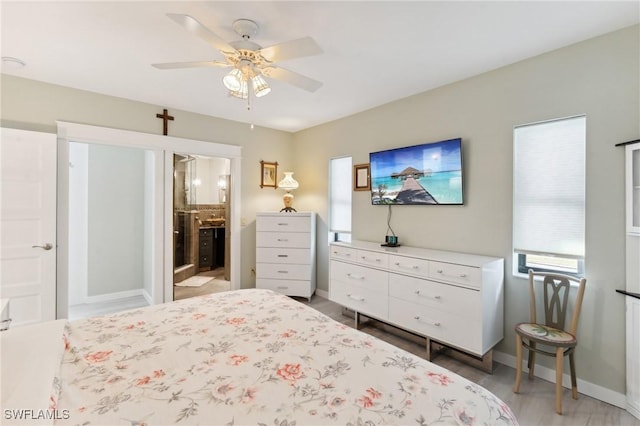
(453, 298)
(285, 252)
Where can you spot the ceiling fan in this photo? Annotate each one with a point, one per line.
(250, 62)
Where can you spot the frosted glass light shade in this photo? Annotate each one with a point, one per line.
(260, 86)
(288, 183)
(233, 80)
(242, 92)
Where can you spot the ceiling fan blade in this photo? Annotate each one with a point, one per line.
(194, 26)
(197, 64)
(291, 49)
(292, 78)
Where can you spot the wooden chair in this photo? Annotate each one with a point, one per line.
(551, 333)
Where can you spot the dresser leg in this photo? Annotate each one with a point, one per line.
(428, 348)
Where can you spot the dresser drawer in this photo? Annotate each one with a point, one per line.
(439, 325)
(381, 260)
(282, 239)
(459, 274)
(445, 297)
(345, 253)
(283, 223)
(283, 255)
(205, 260)
(360, 299)
(206, 243)
(288, 287)
(409, 265)
(283, 271)
(366, 278)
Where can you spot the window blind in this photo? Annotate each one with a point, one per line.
(340, 175)
(549, 188)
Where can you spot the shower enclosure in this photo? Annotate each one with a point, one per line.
(184, 256)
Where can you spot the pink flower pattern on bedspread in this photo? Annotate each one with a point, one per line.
(254, 357)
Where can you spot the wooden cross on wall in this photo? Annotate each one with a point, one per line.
(165, 118)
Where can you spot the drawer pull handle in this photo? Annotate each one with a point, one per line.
(283, 240)
(355, 277)
(283, 224)
(282, 287)
(439, 271)
(436, 323)
(463, 275)
(424, 295)
(359, 299)
(283, 272)
(283, 255)
(414, 267)
(4, 324)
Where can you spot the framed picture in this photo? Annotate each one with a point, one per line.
(268, 174)
(361, 177)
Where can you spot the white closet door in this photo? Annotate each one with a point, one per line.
(28, 225)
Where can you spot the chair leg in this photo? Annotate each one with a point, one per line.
(532, 359)
(516, 386)
(559, 362)
(574, 383)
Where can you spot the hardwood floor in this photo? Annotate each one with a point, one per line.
(534, 405)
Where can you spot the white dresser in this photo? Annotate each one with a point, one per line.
(452, 298)
(285, 252)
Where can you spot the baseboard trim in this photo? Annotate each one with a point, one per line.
(322, 293)
(147, 296)
(113, 296)
(587, 388)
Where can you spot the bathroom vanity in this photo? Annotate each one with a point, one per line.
(211, 247)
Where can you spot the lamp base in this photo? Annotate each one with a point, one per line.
(288, 209)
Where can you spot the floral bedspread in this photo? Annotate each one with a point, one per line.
(253, 357)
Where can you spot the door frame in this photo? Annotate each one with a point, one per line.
(163, 148)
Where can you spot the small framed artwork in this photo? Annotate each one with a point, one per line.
(268, 174)
(361, 177)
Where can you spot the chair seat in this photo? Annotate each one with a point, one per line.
(547, 335)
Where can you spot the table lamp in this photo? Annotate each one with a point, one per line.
(288, 184)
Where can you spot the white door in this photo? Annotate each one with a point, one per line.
(28, 224)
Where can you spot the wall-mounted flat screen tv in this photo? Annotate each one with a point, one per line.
(429, 173)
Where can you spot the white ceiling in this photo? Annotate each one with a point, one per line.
(374, 52)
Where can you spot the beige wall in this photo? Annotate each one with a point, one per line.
(32, 105)
(599, 78)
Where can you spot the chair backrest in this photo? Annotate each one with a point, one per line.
(556, 297)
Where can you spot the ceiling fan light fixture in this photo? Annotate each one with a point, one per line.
(233, 81)
(260, 86)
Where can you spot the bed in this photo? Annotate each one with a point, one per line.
(245, 357)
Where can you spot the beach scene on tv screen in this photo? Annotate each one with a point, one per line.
(421, 174)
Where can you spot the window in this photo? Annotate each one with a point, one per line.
(549, 195)
(340, 170)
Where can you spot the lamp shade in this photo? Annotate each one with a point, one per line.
(260, 86)
(242, 92)
(233, 80)
(288, 183)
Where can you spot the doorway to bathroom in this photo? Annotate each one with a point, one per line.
(201, 213)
